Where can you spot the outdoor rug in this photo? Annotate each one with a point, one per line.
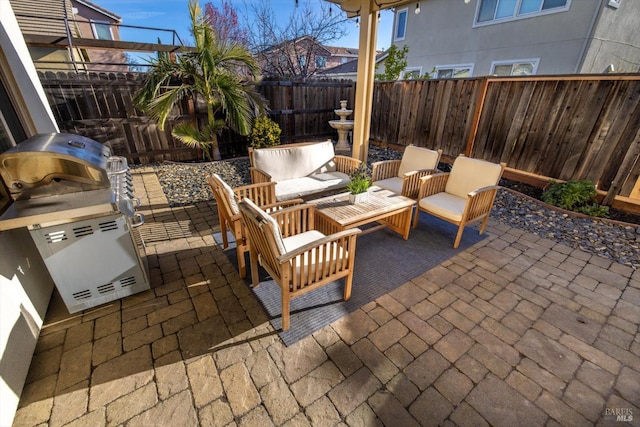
(384, 261)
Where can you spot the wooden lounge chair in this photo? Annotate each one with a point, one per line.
(263, 194)
(462, 196)
(403, 176)
(298, 257)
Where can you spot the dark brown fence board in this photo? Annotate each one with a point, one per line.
(564, 127)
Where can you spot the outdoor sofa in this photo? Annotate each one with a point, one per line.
(301, 170)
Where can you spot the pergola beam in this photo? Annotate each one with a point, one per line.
(367, 11)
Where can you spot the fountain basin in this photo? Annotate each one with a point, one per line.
(341, 124)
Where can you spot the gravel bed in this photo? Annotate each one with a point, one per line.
(185, 184)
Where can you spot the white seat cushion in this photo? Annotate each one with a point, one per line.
(300, 187)
(392, 184)
(445, 205)
(416, 158)
(469, 174)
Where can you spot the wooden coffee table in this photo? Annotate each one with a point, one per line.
(335, 213)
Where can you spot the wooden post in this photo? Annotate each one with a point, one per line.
(633, 153)
(477, 114)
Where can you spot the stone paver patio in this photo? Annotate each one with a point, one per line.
(516, 330)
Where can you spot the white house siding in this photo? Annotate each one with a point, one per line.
(616, 41)
(25, 285)
(444, 34)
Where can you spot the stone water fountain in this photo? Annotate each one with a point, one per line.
(343, 126)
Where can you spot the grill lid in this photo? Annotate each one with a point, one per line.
(55, 163)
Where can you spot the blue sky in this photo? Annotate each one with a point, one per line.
(174, 14)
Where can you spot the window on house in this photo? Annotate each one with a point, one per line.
(401, 24)
(344, 60)
(102, 30)
(453, 71)
(11, 130)
(302, 60)
(493, 10)
(411, 73)
(321, 62)
(525, 67)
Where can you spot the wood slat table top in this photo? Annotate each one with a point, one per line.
(380, 202)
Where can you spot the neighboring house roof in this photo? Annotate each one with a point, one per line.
(347, 67)
(302, 39)
(99, 9)
(342, 51)
(350, 67)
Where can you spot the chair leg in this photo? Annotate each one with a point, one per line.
(348, 282)
(223, 229)
(458, 236)
(285, 307)
(253, 260)
(416, 217)
(242, 265)
(484, 224)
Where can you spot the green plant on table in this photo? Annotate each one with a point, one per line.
(577, 196)
(360, 179)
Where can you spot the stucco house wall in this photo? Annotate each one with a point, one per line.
(25, 284)
(445, 34)
(615, 41)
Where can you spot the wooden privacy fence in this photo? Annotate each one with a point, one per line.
(100, 107)
(562, 127)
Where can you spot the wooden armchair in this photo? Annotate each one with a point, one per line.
(462, 196)
(263, 194)
(403, 176)
(298, 257)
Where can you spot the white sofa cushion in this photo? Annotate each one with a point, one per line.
(445, 205)
(284, 162)
(300, 187)
(468, 174)
(392, 184)
(416, 158)
(263, 216)
(230, 195)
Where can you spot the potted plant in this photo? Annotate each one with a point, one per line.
(360, 181)
(221, 74)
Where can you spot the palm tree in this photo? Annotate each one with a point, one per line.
(223, 74)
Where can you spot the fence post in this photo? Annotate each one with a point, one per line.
(482, 94)
(623, 170)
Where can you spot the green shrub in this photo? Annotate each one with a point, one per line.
(360, 179)
(577, 196)
(265, 133)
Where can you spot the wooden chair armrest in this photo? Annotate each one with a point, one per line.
(346, 164)
(274, 207)
(411, 181)
(480, 202)
(260, 193)
(384, 169)
(258, 175)
(475, 193)
(295, 219)
(350, 233)
(432, 184)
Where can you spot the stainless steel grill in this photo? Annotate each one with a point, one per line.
(78, 203)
